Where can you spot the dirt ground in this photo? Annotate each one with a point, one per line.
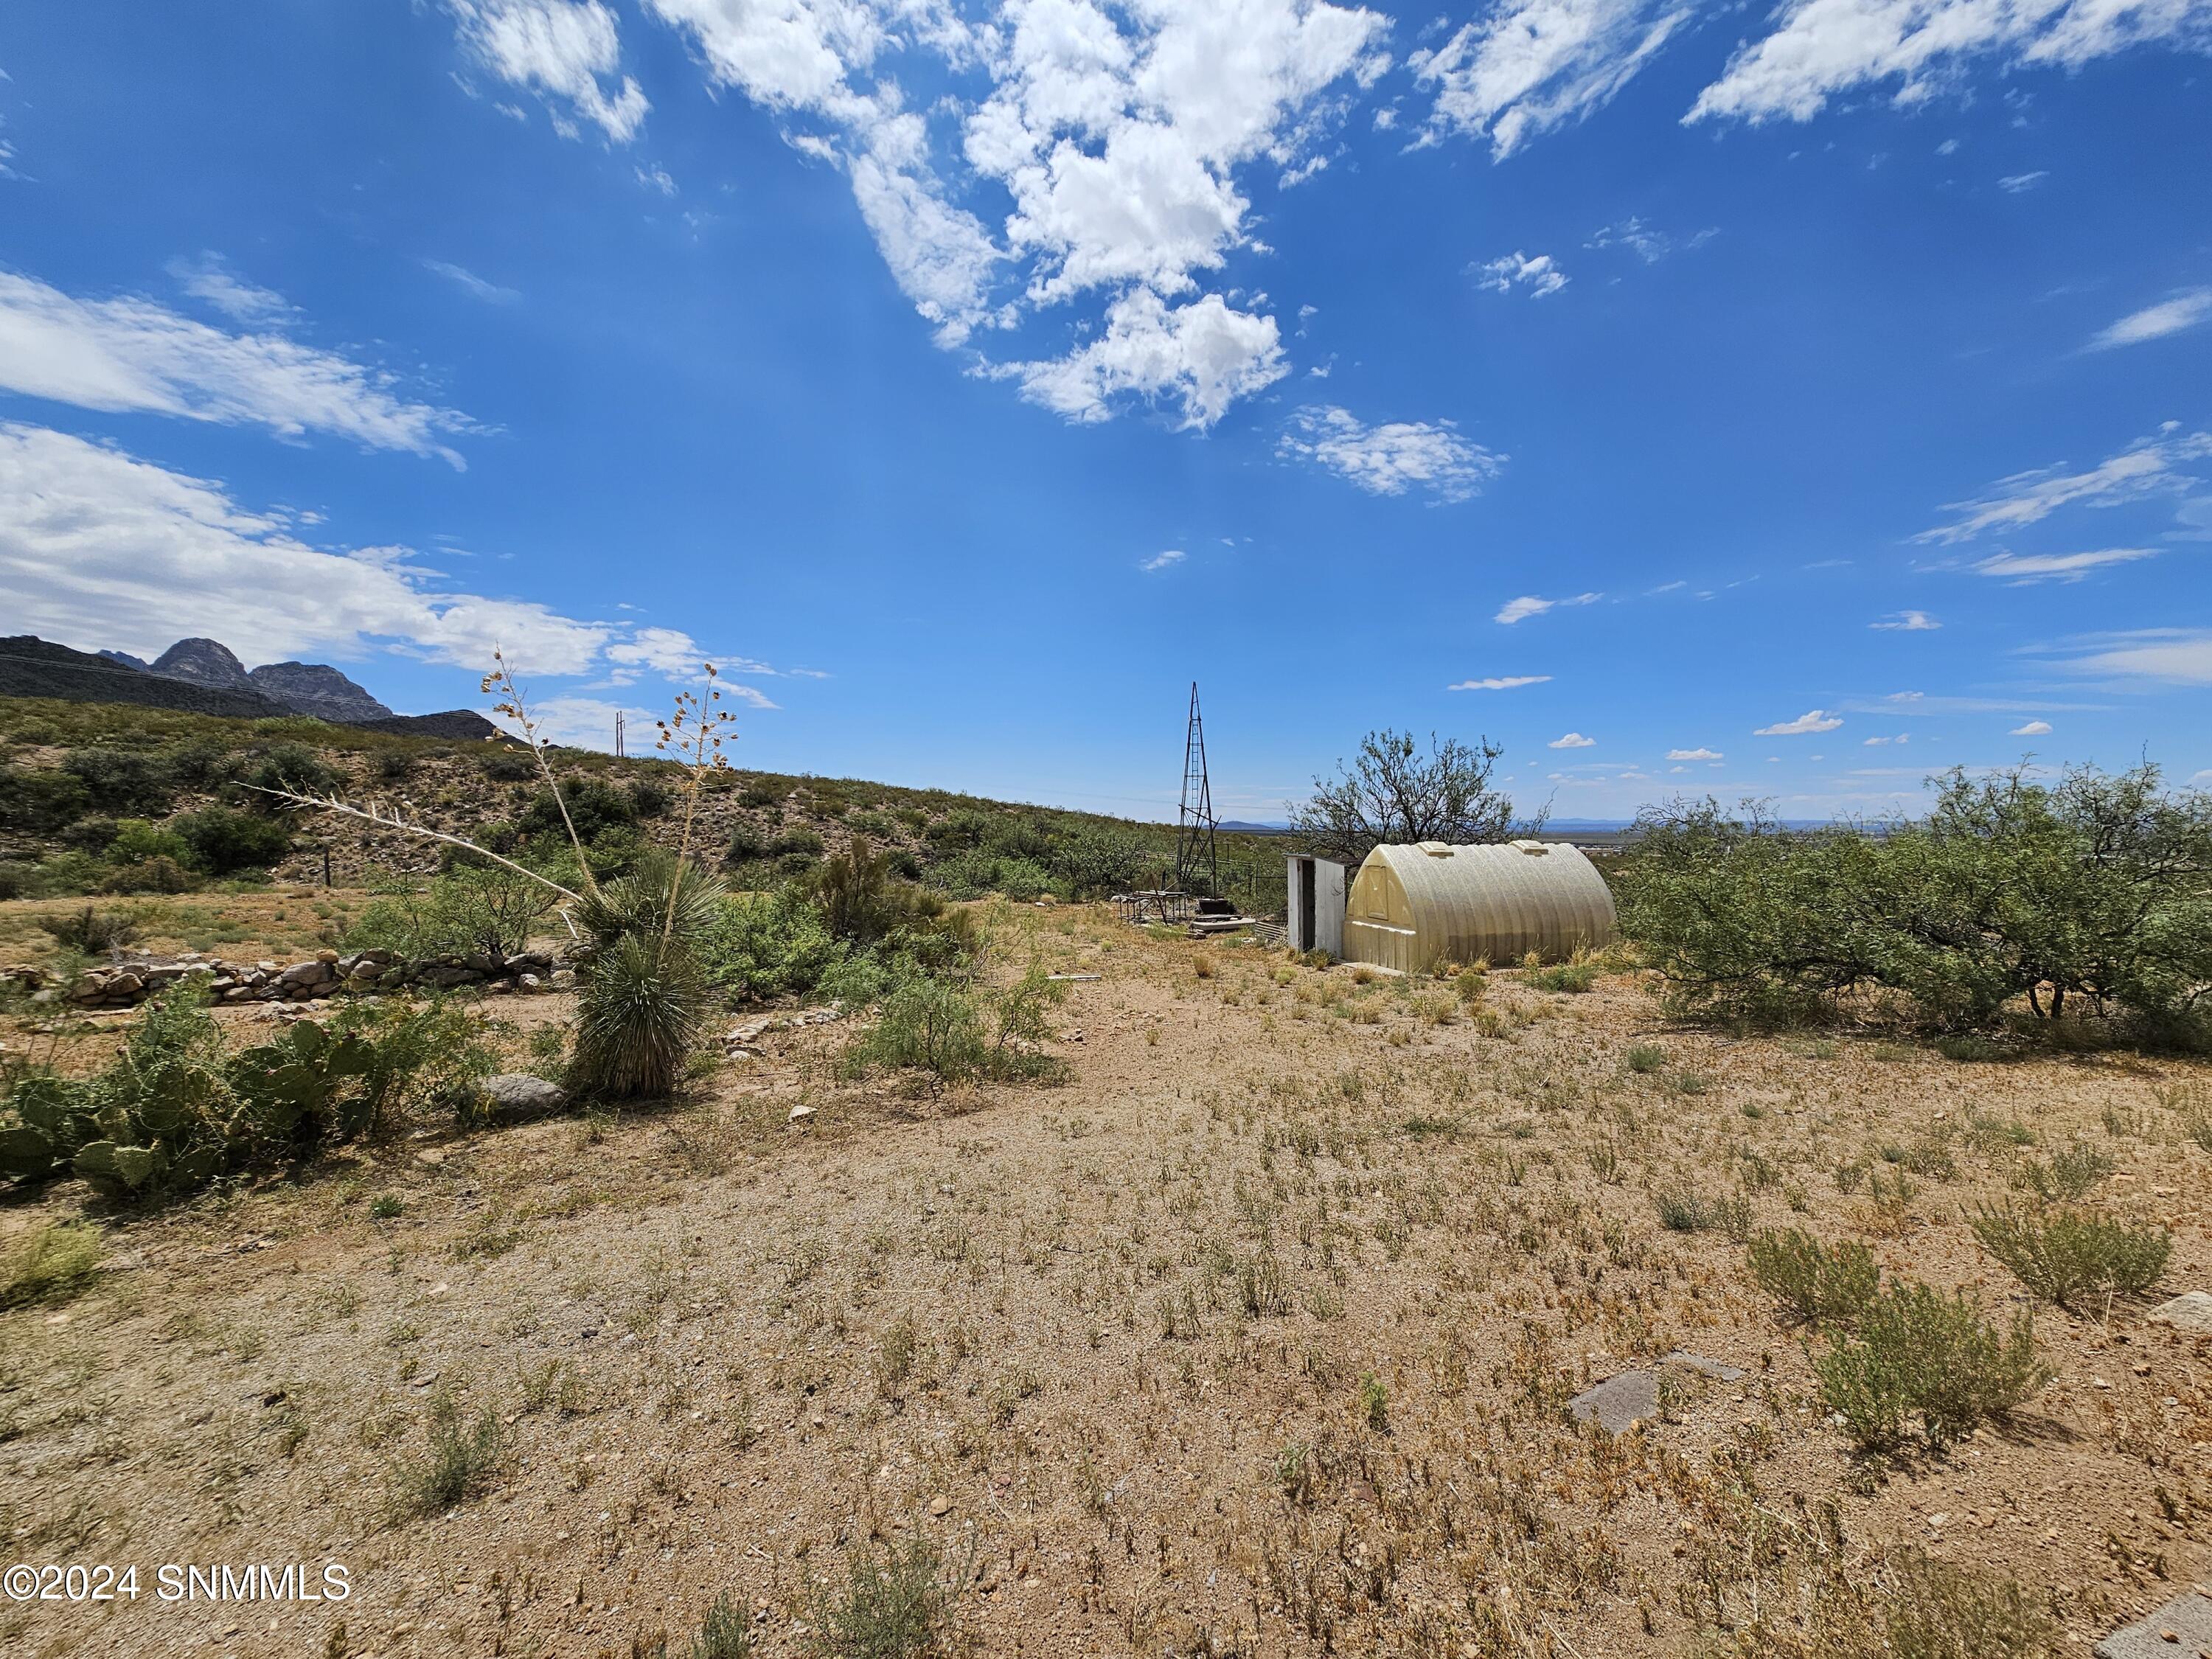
(1254, 1337)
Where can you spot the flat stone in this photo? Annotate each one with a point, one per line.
(2190, 1311)
(2182, 1626)
(800, 1113)
(1716, 1370)
(1619, 1401)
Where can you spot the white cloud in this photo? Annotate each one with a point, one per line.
(1700, 754)
(1826, 47)
(100, 549)
(1812, 720)
(2032, 729)
(589, 723)
(1528, 605)
(1393, 458)
(1649, 245)
(1907, 622)
(1532, 65)
(1540, 276)
(1204, 354)
(210, 280)
(1162, 560)
(2019, 183)
(130, 355)
(2175, 656)
(567, 51)
(470, 284)
(1501, 683)
(1572, 740)
(2020, 568)
(2184, 311)
(2147, 467)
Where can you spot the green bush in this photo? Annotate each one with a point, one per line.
(2063, 1254)
(94, 933)
(1574, 977)
(595, 807)
(1811, 1281)
(136, 839)
(929, 1024)
(40, 800)
(290, 766)
(1095, 861)
(2097, 888)
(764, 946)
(1920, 1353)
(456, 1462)
(726, 1632)
(224, 841)
(2074, 1171)
(158, 874)
(978, 873)
(122, 781)
(474, 907)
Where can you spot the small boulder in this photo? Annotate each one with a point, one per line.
(515, 1096)
(2189, 1311)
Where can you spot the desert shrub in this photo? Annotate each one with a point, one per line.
(292, 766)
(507, 766)
(1095, 860)
(93, 932)
(648, 797)
(224, 841)
(978, 873)
(726, 1632)
(394, 765)
(48, 1263)
(765, 945)
(1645, 1058)
(2096, 887)
(878, 826)
(17, 880)
(158, 874)
(758, 793)
(1681, 1211)
(456, 1463)
(929, 1024)
(2073, 1171)
(1574, 977)
(1933, 1609)
(40, 800)
(1920, 1353)
(200, 764)
(595, 807)
(473, 907)
(135, 839)
(796, 843)
(430, 1054)
(959, 830)
(93, 835)
(2063, 1254)
(747, 845)
(888, 1607)
(122, 781)
(1811, 1281)
(861, 901)
(644, 992)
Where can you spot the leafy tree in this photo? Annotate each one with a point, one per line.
(224, 841)
(1393, 795)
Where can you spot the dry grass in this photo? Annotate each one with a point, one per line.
(1254, 1337)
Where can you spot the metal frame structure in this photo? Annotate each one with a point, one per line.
(1195, 824)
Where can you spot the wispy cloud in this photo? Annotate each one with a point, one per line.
(130, 354)
(1528, 66)
(1391, 459)
(1162, 560)
(2172, 656)
(2021, 568)
(471, 284)
(567, 51)
(1649, 245)
(209, 279)
(2019, 183)
(1700, 754)
(2184, 311)
(1528, 605)
(1907, 622)
(1812, 720)
(1538, 274)
(2149, 467)
(1501, 683)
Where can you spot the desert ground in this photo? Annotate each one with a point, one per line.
(1254, 1336)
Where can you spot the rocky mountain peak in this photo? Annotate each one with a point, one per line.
(203, 662)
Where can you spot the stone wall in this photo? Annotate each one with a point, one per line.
(126, 982)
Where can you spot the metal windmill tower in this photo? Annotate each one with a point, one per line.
(1195, 863)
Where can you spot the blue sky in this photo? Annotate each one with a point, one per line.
(1785, 403)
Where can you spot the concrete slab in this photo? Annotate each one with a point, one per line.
(2182, 1628)
(1619, 1401)
(1717, 1369)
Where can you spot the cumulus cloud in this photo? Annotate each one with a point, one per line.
(1528, 605)
(130, 354)
(567, 51)
(1528, 66)
(2149, 467)
(2021, 568)
(1203, 356)
(99, 547)
(1812, 720)
(1824, 48)
(1572, 740)
(1700, 754)
(1906, 622)
(1540, 276)
(2032, 729)
(2184, 311)
(1501, 683)
(1174, 556)
(1393, 458)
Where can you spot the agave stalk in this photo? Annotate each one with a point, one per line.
(693, 736)
(516, 708)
